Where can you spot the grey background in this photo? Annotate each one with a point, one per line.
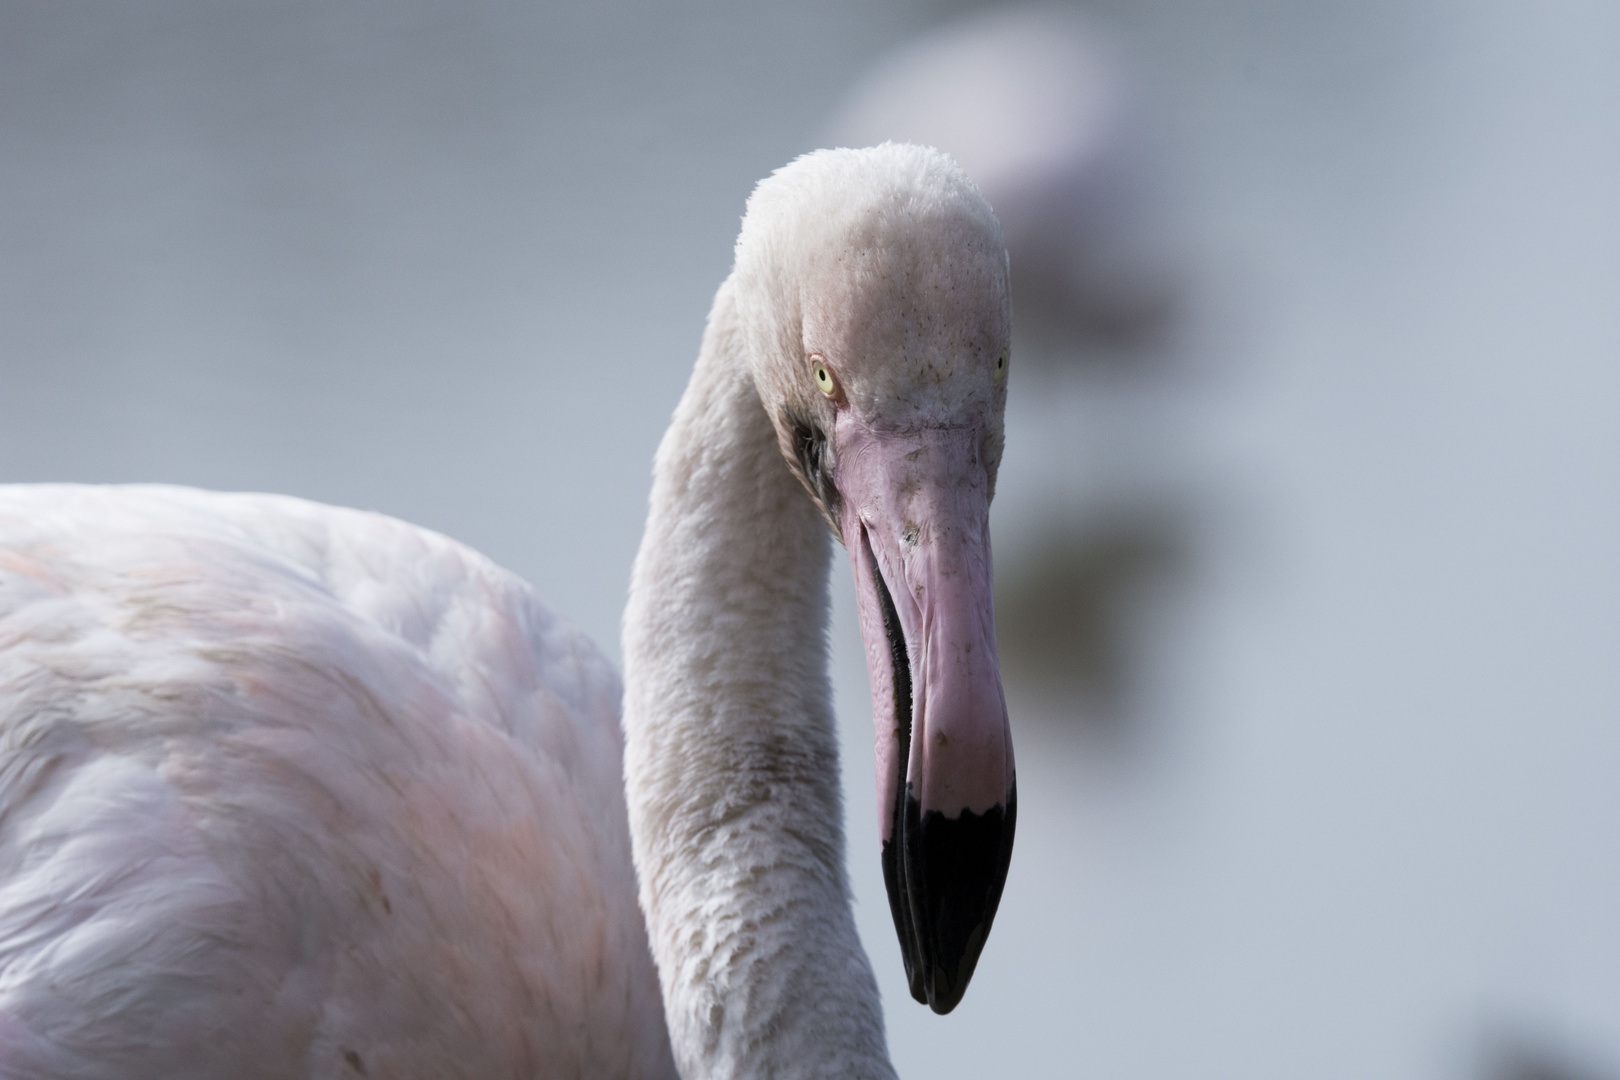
(1347, 806)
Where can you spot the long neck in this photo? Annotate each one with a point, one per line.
(731, 763)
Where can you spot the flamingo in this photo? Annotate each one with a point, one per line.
(288, 790)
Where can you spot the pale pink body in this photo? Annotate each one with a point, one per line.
(291, 790)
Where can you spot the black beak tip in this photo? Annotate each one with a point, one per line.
(945, 877)
(950, 980)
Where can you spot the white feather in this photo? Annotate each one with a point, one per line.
(290, 790)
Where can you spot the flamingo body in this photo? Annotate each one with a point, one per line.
(291, 790)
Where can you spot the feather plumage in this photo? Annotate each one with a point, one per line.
(272, 772)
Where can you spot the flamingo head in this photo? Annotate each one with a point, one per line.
(873, 292)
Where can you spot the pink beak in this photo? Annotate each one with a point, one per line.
(915, 516)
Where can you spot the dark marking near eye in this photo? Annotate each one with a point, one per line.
(354, 1061)
(814, 459)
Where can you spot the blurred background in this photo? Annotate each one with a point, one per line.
(1308, 526)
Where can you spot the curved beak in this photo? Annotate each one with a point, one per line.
(915, 519)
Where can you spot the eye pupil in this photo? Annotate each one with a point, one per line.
(824, 379)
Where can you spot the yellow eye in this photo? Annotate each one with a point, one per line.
(1001, 367)
(824, 379)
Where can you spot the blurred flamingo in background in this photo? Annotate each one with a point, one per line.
(1040, 110)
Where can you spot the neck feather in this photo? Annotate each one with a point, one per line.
(731, 761)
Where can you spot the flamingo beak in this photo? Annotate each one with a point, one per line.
(915, 519)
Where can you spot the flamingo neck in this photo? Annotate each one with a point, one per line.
(731, 761)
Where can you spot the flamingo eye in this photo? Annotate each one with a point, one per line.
(1001, 367)
(824, 379)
